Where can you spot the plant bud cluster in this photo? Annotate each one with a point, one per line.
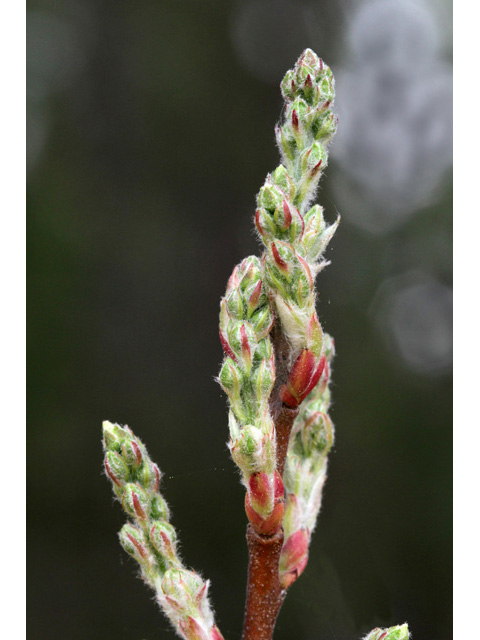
(150, 538)
(247, 377)
(305, 472)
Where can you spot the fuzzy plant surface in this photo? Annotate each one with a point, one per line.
(276, 374)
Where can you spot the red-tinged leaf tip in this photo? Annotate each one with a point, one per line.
(138, 453)
(260, 229)
(281, 264)
(295, 120)
(306, 269)
(233, 281)
(287, 215)
(308, 81)
(215, 633)
(157, 473)
(293, 86)
(226, 347)
(139, 512)
(316, 168)
(141, 550)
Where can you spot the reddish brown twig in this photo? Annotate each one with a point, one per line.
(264, 593)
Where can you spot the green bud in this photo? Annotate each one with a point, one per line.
(324, 125)
(149, 476)
(159, 508)
(116, 469)
(114, 435)
(288, 90)
(262, 321)
(282, 179)
(163, 538)
(270, 197)
(235, 305)
(132, 453)
(135, 502)
(262, 380)
(135, 544)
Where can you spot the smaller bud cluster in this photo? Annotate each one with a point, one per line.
(393, 633)
(305, 472)
(149, 537)
(247, 376)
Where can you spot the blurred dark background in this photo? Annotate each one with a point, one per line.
(150, 130)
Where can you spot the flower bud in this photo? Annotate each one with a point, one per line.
(131, 453)
(113, 435)
(270, 197)
(235, 304)
(262, 380)
(116, 469)
(231, 378)
(264, 502)
(135, 502)
(242, 341)
(282, 179)
(159, 508)
(163, 539)
(135, 543)
(149, 476)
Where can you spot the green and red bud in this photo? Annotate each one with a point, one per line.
(135, 543)
(159, 508)
(116, 469)
(135, 502)
(230, 379)
(263, 378)
(132, 453)
(294, 557)
(281, 178)
(163, 539)
(149, 476)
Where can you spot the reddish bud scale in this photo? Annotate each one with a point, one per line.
(141, 550)
(294, 557)
(260, 488)
(295, 120)
(315, 169)
(302, 379)
(226, 347)
(265, 526)
(191, 629)
(281, 264)
(137, 452)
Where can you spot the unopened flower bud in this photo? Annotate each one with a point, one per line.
(116, 469)
(270, 197)
(231, 378)
(163, 538)
(159, 508)
(114, 435)
(282, 179)
(149, 476)
(135, 502)
(131, 453)
(135, 543)
(262, 380)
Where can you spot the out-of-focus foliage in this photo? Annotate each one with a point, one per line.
(150, 130)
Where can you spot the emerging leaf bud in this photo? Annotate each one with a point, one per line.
(131, 453)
